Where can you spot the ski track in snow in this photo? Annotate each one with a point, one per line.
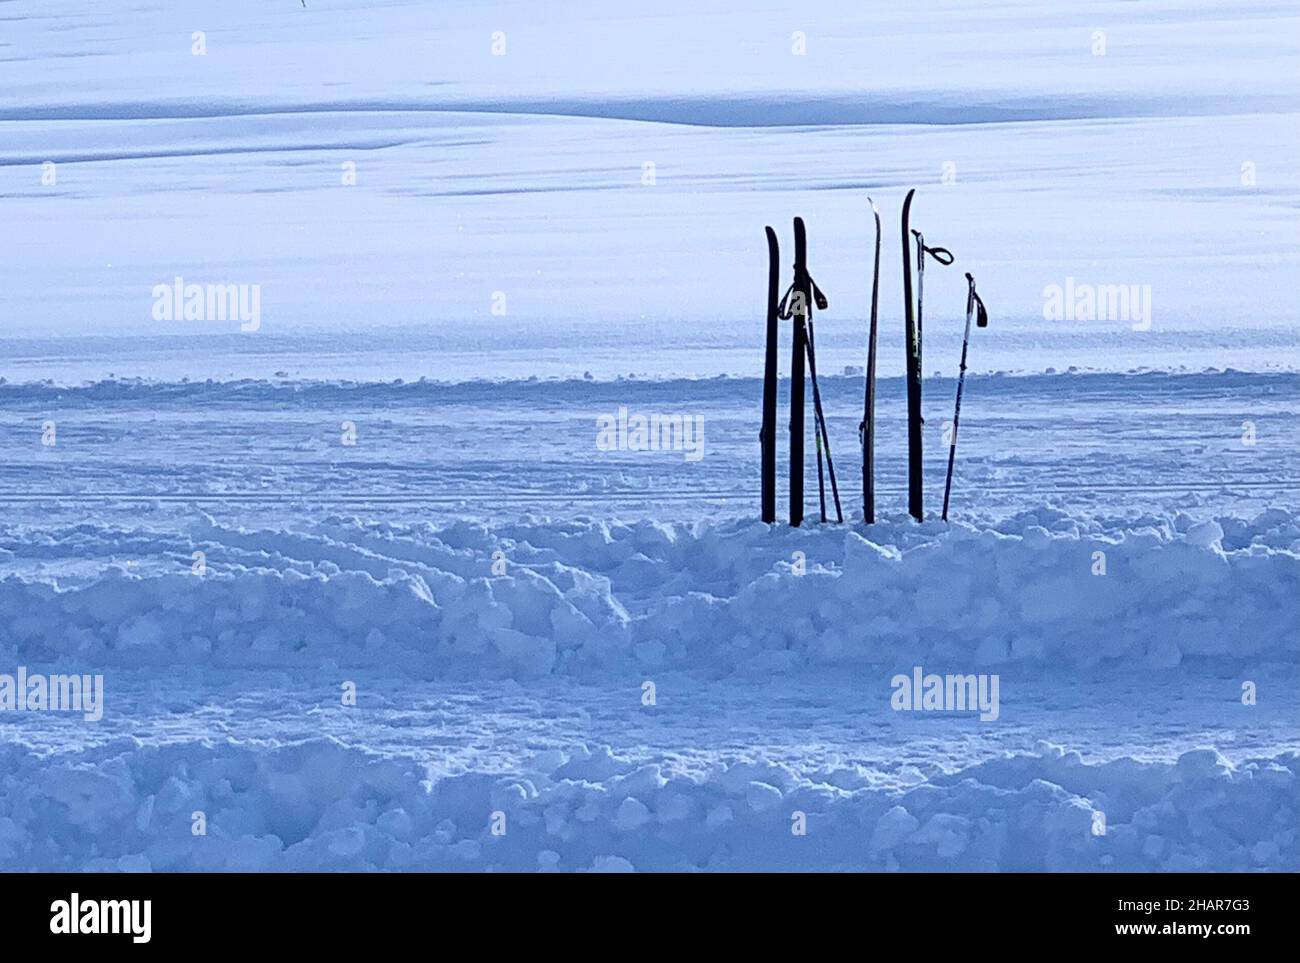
(1078, 441)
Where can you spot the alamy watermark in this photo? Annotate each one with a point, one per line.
(34, 692)
(946, 693)
(1098, 302)
(654, 432)
(125, 916)
(179, 301)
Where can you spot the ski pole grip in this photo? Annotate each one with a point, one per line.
(974, 300)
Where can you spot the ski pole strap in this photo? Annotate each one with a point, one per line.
(785, 310)
(818, 297)
(940, 254)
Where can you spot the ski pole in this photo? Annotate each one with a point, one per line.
(974, 305)
(823, 439)
(944, 257)
(817, 425)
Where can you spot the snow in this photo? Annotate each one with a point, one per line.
(366, 592)
(322, 803)
(592, 596)
(557, 645)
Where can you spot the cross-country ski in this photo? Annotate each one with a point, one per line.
(767, 434)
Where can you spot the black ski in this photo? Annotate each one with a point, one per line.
(915, 314)
(767, 436)
(867, 430)
(913, 347)
(798, 352)
(798, 304)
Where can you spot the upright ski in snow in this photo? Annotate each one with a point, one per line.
(767, 436)
(914, 315)
(798, 304)
(913, 348)
(798, 352)
(866, 431)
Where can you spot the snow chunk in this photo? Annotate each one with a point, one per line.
(893, 829)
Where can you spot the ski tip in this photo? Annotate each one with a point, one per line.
(771, 234)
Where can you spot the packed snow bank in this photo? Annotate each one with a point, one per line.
(537, 597)
(321, 804)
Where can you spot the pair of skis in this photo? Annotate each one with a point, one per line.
(867, 428)
(796, 305)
